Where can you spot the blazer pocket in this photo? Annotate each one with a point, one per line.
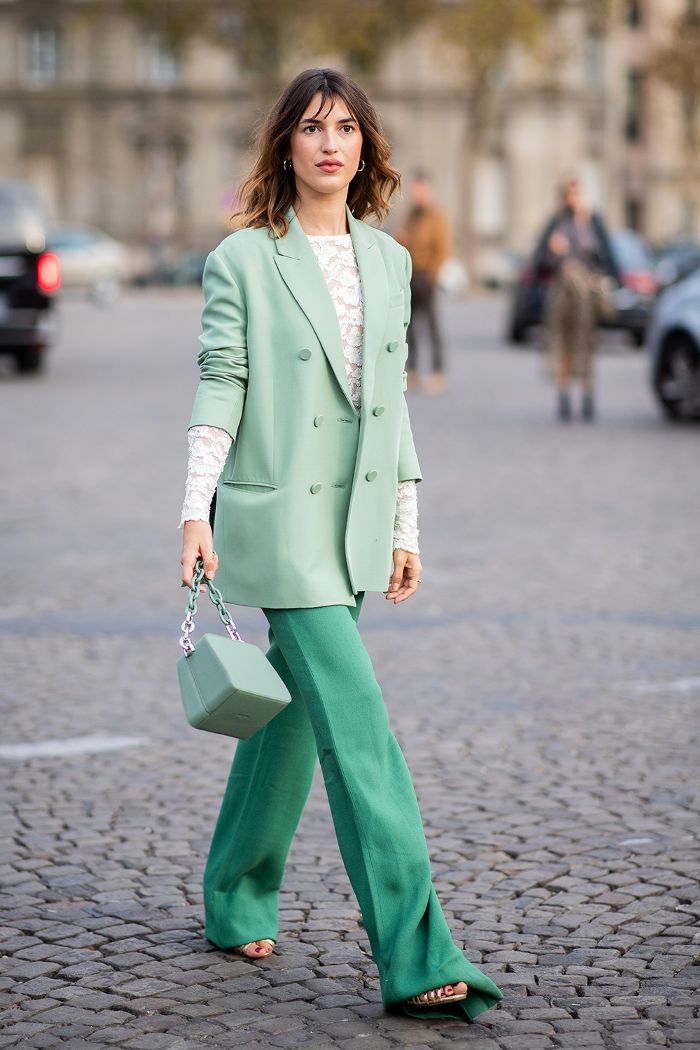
(249, 484)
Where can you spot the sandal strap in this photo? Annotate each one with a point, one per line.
(433, 995)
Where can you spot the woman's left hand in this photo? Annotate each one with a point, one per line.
(405, 577)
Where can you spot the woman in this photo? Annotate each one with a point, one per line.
(300, 408)
(574, 252)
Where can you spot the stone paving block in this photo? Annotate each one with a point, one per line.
(291, 991)
(153, 1041)
(525, 1042)
(40, 986)
(366, 1042)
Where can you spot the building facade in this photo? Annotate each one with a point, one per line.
(116, 130)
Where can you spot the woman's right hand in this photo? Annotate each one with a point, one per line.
(197, 542)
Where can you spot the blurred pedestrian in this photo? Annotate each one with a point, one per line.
(291, 300)
(574, 250)
(426, 234)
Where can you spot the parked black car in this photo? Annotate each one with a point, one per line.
(630, 266)
(30, 277)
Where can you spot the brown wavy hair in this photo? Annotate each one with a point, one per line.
(267, 192)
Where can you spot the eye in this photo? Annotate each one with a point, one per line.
(351, 126)
(311, 127)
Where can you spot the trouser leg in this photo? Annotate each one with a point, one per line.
(267, 788)
(374, 810)
(587, 330)
(419, 304)
(434, 328)
(411, 342)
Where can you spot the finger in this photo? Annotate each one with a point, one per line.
(408, 588)
(397, 575)
(411, 579)
(188, 562)
(210, 560)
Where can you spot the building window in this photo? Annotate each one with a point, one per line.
(593, 58)
(633, 106)
(634, 213)
(634, 13)
(43, 54)
(163, 66)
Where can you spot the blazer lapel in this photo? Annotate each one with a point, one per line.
(300, 270)
(375, 296)
(299, 267)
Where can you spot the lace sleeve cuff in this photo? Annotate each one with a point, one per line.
(406, 517)
(208, 448)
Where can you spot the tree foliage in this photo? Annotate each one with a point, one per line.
(267, 37)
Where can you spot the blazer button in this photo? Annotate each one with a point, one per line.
(393, 345)
(304, 354)
(377, 410)
(318, 420)
(371, 475)
(316, 487)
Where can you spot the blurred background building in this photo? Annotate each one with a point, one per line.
(137, 116)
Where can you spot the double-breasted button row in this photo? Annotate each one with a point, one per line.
(317, 486)
(393, 345)
(304, 353)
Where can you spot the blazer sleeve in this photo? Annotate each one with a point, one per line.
(409, 467)
(223, 355)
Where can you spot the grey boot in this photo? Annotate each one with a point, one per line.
(564, 408)
(587, 406)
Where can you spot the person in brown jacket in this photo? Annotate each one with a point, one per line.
(426, 235)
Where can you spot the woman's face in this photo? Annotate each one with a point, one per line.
(325, 149)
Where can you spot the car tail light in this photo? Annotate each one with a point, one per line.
(48, 272)
(640, 281)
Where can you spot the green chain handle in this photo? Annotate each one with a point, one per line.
(215, 594)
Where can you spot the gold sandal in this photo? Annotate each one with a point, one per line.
(434, 997)
(242, 949)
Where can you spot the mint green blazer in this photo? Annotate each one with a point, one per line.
(306, 500)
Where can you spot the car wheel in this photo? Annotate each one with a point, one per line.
(29, 360)
(678, 380)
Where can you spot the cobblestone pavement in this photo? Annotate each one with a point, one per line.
(544, 686)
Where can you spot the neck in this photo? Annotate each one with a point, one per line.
(324, 215)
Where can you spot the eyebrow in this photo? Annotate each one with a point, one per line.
(318, 120)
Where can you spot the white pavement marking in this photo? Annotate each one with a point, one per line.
(73, 745)
(678, 685)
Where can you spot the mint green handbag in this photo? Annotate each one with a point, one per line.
(227, 685)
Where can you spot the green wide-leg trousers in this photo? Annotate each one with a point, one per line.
(337, 714)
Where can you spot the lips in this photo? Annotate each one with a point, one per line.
(329, 165)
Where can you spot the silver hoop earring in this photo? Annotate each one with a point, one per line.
(287, 164)
(363, 165)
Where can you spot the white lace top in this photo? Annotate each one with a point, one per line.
(209, 446)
